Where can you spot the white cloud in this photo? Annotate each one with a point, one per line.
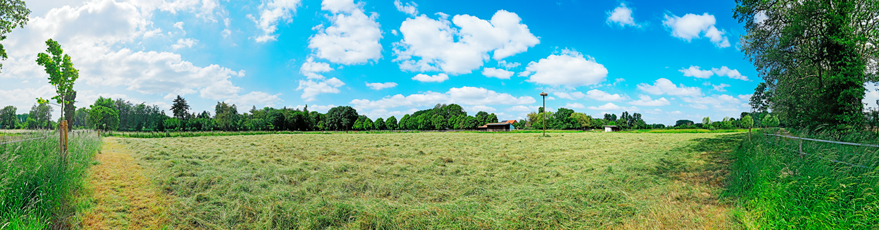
(675, 112)
(184, 43)
(271, 12)
(575, 106)
(731, 73)
(522, 108)
(427, 78)
(612, 107)
(621, 15)
(723, 102)
(508, 65)
(256, 98)
(465, 96)
(313, 87)
(312, 69)
(353, 37)
(380, 86)
(567, 69)
(432, 45)
(570, 96)
(23, 98)
(692, 26)
(603, 96)
(478, 108)
(497, 73)
(721, 87)
(179, 25)
(645, 100)
(665, 86)
(409, 8)
(319, 108)
(871, 98)
(745, 97)
(383, 113)
(695, 71)
(760, 16)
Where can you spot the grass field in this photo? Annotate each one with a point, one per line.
(441, 180)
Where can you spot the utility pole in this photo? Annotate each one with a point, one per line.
(544, 94)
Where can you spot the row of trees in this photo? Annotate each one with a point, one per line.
(108, 114)
(565, 118)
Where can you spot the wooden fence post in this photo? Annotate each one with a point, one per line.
(801, 148)
(63, 142)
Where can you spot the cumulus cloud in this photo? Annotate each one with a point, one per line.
(319, 108)
(409, 8)
(427, 78)
(721, 87)
(380, 86)
(731, 73)
(508, 65)
(272, 12)
(184, 43)
(569, 68)
(645, 100)
(723, 102)
(497, 73)
(434, 44)
(353, 37)
(471, 96)
(522, 108)
(665, 86)
(312, 69)
(692, 26)
(575, 106)
(599, 95)
(621, 15)
(871, 98)
(695, 71)
(255, 98)
(612, 107)
(313, 87)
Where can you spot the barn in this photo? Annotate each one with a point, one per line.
(497, 127)
(611, 128)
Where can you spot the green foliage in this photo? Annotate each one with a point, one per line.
(341, 118)
(41, 114)
(13, 14)
(747, 122)
(7, 118)
(62, 75)
(380, 124)
(391, 123)
(180, 108)
(813, 56)
(226, 117)
(104, 115)
(583, 120)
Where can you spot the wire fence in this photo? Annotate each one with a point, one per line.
(852, 154)
(37, 135)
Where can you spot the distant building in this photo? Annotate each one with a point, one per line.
(497, 127)
(611, 128)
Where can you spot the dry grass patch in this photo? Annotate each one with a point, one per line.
(122, 196)
(440, 180)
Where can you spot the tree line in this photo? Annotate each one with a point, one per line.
(815, 57)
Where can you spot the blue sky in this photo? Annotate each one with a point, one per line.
(668, 60)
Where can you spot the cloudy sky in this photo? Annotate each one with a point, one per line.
(668, 60)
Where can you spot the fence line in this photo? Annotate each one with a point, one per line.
(823, 141)
(47, 135)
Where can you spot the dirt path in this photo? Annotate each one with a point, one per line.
(123, 198)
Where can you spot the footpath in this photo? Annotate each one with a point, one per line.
(122, 197)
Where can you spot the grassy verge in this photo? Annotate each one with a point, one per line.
(441, 180)
(781, 189)
(687, 131)
(36, 188)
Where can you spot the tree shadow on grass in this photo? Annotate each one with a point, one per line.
(706, 161)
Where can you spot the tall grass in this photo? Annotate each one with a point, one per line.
(831, 187)
(36, 186)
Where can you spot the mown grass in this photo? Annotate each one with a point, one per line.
(36, 186)
(442, 180)
(779, 188)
